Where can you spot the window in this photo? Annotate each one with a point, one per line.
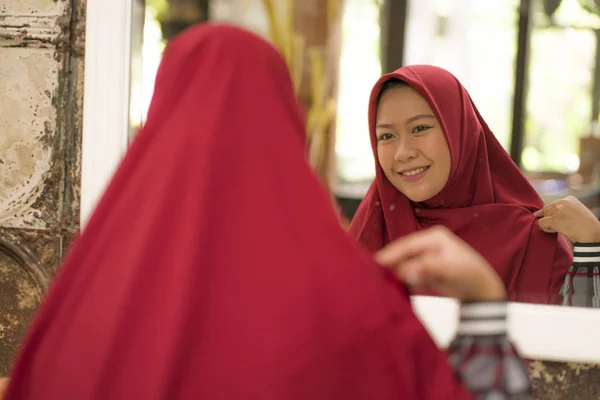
(360, 67)
(473, 39)
(560, 85)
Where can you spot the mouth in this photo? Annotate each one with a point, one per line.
(413, 174)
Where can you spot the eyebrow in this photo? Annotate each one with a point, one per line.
(408, 121)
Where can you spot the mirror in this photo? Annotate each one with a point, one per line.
(551, 161)
(548, 132)
(551, 133)
(536, 328)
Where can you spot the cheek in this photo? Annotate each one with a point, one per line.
(443, 157)
(385, 156)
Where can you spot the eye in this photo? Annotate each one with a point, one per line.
(420, 129)
(385, 136)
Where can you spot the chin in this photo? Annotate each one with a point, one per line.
(418, 199)
(417, 196)
(414, 194)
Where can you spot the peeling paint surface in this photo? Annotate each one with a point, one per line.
(30, 31)
(558, 381)
(27, 127)
(33, 7)
(41, 103)
(18, 301)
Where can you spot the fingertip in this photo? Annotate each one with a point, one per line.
(547, 229)
(381, 258)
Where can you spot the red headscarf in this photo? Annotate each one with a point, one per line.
(487, 201)
(214, 267)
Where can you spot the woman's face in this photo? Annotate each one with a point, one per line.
(411, 146)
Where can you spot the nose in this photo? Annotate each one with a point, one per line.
(405, 151)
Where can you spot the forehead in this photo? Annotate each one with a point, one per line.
(403, 102)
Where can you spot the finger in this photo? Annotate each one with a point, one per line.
(3, 386)
(547, 224)
(424, 273)
(406, 248)
(421, 270)
(539, 213)
(408, 272)
(548, 209)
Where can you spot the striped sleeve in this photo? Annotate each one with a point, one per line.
(482, 356)
(582, 282)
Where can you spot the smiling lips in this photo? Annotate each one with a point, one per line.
(414, 171)
(414, 174)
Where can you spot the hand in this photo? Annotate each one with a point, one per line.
(438, 260)
(571, 219)
(3, 386)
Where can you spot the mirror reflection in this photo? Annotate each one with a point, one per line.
(479, 136)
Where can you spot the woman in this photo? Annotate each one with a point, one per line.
(214, 267)
(439, 164)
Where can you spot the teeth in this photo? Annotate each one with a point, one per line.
(414, 171)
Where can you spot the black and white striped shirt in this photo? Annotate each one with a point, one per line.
(582, 282)
(482, 356)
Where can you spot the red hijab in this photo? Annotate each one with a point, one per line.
(214, 267)
(487, 201)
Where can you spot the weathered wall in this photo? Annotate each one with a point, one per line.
(559, 381)
(41, 95)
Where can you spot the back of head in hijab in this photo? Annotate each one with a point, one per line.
(214, 266)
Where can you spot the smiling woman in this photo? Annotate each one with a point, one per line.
(440, 164)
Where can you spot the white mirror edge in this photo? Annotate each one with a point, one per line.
(550, 333)
(540, 332)
(106, 96)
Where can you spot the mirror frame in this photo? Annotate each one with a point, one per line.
(106, 96)
(550, 333)
(540, 332)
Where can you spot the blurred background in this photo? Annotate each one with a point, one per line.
(532, 68)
